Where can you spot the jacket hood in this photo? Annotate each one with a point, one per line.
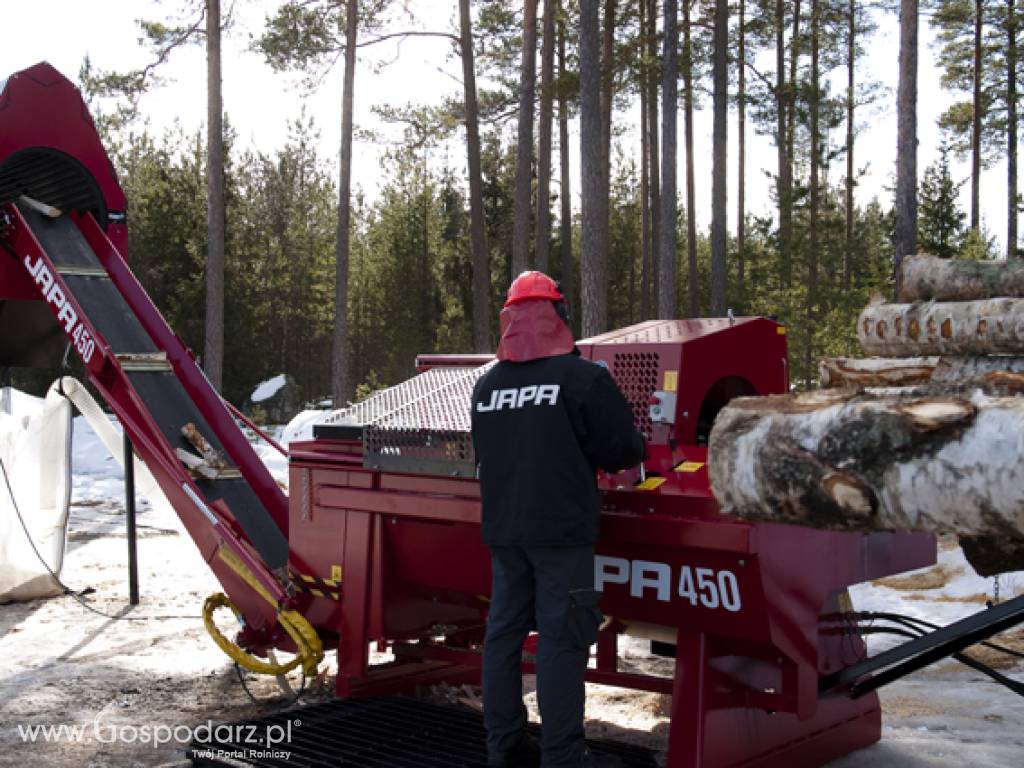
(531, 330)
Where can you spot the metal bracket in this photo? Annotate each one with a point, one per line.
(82, 272)
(913, 655)
(150, 363)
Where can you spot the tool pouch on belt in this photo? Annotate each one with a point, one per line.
(584, 618)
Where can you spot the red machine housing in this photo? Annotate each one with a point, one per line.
(55, 156)
(752, 610)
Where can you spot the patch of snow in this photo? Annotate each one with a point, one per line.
(301, 427)
(268, 389)
(940, 605)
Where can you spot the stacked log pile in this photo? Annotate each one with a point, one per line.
(927, 433)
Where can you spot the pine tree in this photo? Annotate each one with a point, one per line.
(966, 60)
(906, 138)
(940, 221)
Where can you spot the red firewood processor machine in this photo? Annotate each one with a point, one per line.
(378, 540)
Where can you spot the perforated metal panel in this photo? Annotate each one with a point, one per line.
(421, 425)
(637, 376)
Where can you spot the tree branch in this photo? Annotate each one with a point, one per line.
(412, 33)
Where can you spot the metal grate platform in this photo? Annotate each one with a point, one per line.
(421, 425)
(368, 733)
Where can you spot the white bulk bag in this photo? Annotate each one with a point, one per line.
(35, 448)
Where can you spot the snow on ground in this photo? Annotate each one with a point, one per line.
(150, 673)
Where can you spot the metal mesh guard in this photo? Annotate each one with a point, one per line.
(421, 425)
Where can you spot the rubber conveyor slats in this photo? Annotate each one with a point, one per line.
(372, 733)
(161, 392)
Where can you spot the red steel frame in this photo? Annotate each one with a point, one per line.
(415, 576)
(211, 526)
(41, 110)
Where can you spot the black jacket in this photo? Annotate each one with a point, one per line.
(541, 429)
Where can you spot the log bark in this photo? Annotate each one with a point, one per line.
(962, 328)
(938, 458)
(907, 371)
(929, 277)
(959, 369)
(875, 371)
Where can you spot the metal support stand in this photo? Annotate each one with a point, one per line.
(129, 506)
(890, 665)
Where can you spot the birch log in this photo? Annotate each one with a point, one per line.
(875, 371)
(907, 371)
(959, 369)
(927, 278)
(917, 459)
(962, 328)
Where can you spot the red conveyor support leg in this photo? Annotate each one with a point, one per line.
(689, 702)
(353, 646)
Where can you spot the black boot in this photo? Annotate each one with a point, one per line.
(599, 760)
(525, 754)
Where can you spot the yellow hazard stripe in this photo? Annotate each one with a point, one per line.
(234, 562)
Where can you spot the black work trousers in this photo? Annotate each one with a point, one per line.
(550, 589)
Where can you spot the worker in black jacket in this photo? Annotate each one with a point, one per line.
(544, 421)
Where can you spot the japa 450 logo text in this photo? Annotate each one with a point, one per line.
(84, 343)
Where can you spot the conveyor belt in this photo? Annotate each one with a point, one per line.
(368, 733)
(158, 389)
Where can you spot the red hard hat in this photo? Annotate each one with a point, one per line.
(533, 285)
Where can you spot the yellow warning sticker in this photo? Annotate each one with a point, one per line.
(650, 483)
(336, 573)
(671, 381)
(688, 466)
(781, 330)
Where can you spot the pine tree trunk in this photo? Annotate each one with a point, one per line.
(851, 62)
(655, 165)
(976, 118)
(741, 172)
(669, 204)
(926, 278)
(815, 192)
(607, 84)
(941, 461)
(906, 139)
(547, 56)
(692, 292)
(720, 168)
(1011, 129)
(341, 381)
(524, 147)
(968, 328)
(477, 229)
(594, 198)
(568, 273)
(645, 181)
(792, 95)
(784, 180)
(213, 347)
